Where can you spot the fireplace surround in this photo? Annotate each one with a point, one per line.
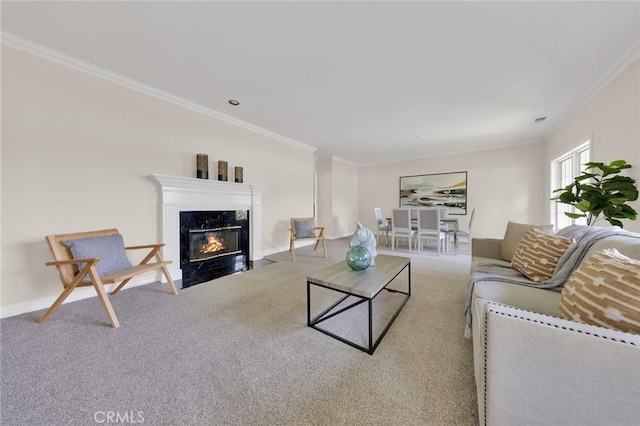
(181, 194)
(213, 244)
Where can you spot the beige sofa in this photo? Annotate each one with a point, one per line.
(532, 367)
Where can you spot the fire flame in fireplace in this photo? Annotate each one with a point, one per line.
(212, 245)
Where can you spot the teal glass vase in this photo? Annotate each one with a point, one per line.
(358, 258)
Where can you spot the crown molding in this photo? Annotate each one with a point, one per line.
(344, 161)
(624, 62)
(331, 157)
(442, 153)
(27, 46)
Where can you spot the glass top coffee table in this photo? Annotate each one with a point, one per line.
(364, 286)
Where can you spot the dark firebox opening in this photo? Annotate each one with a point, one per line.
(213, 244)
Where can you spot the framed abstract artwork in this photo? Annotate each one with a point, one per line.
(435, 190)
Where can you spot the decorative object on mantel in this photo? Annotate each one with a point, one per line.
(238, 174)
(601, 192)
(362, 253)
(222, 170)
(202, 166)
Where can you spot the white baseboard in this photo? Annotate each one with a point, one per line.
(86, 292)
(338, 236)
(77, 294)
(275, 250)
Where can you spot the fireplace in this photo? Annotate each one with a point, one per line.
(213, 244)
(184, 194)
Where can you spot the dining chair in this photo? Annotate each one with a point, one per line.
(401, 227)
(430, 228)
(467, 234)
(445, 226)
(382, 225)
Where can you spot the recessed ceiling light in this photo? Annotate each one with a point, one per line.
(539, 119)
(234, 102)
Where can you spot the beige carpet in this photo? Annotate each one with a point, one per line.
(237, 351)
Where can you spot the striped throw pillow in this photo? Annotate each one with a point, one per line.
(604, 291)
(538, 254)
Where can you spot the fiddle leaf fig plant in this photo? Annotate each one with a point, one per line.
(601, 193)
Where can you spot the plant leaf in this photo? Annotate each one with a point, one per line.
(615, 222)
(574, 215)
(583, 205)
(584, 176)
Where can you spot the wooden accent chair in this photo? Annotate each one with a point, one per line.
(304, 228)
(86, 270)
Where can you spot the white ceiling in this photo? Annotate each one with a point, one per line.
(371, 82)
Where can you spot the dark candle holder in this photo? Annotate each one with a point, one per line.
(238, 174)
(222, 170)
(202, 166)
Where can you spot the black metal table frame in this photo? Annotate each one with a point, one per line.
(325, 315)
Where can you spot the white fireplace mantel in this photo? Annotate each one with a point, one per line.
(190, 194)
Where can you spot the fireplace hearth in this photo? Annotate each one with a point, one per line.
(213, 244)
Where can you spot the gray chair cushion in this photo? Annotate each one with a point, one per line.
(304, 229)
(109, 248)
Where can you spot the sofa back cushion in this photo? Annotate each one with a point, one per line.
(628, 245)
(513, 235)
(604, 291)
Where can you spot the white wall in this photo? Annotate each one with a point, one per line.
(612, 117)
(503, 185)
(324, 207)
(513, 183)
(77, 153)
(337, 196)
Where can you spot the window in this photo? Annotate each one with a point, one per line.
(564, 170)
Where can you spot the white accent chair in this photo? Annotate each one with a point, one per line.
(429, 228)
(401, 227)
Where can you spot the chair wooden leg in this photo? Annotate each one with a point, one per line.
(67, 291)
(104, 299)
(167, 275)
(324, 244)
